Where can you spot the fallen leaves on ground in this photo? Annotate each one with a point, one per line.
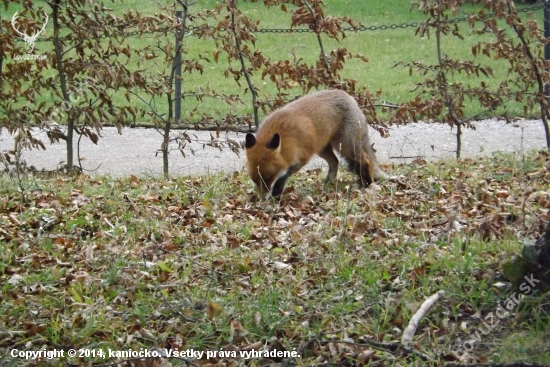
(332, 273)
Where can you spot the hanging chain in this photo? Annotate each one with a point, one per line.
(347, 29)
(384, 27)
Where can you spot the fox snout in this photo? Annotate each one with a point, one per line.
(275, 190)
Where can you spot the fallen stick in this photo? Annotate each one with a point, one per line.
(408, 334)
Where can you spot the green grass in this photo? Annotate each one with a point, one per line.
(383, 48)
(113, 264)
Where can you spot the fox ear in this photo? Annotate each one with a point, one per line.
(275, 141)
(250, 141)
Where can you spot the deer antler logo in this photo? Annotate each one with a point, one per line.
(29, 39)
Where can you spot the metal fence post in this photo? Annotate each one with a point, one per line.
(177, 82)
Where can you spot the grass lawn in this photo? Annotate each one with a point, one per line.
(383, 48)
(333, 273)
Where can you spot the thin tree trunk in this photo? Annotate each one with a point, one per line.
(543, 101)
(233, 4)
(63, 83)
(1, 59)
(444, 85)
(175, 60)
(323, 55)
(458, 140)
(544, 117)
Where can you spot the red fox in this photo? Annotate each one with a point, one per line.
(319, 123)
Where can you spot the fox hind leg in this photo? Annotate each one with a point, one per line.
(328, 155)
(359, 161)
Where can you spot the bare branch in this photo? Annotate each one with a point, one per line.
(408, 334)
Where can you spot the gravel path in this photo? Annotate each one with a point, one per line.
(133, 152)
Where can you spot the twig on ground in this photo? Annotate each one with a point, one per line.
(12, 333)
(408, 334)
(406, 156)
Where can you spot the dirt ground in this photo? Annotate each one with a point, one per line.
(134, 152)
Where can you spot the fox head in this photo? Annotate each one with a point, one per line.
(266, 166)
